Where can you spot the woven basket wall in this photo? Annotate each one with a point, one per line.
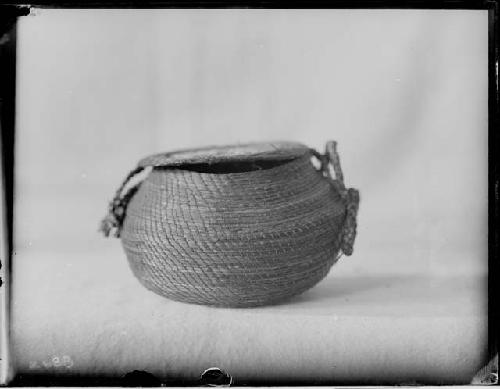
(235, 238)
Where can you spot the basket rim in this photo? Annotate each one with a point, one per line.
(243, 152)
(257, 174)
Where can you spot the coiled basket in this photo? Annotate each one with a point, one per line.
(235, 226)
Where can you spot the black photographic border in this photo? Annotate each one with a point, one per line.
(11, 11)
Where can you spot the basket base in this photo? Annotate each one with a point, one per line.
(234, 298)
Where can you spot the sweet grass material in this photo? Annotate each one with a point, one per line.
(235, 226)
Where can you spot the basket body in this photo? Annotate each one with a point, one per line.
(236, 239)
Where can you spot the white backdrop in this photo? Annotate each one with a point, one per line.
(403, 92)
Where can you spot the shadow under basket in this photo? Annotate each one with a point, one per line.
(235, 226)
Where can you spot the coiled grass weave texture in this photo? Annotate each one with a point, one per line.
(236, 239)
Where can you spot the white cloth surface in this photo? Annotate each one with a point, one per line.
(355, 325)
(403, 92)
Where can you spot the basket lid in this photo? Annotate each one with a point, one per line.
(275, 151)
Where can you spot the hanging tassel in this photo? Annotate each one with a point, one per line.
(350, 224)
(350, 196)
(113, 222)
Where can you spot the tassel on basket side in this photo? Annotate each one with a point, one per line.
(331, 160)
(113, 221)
